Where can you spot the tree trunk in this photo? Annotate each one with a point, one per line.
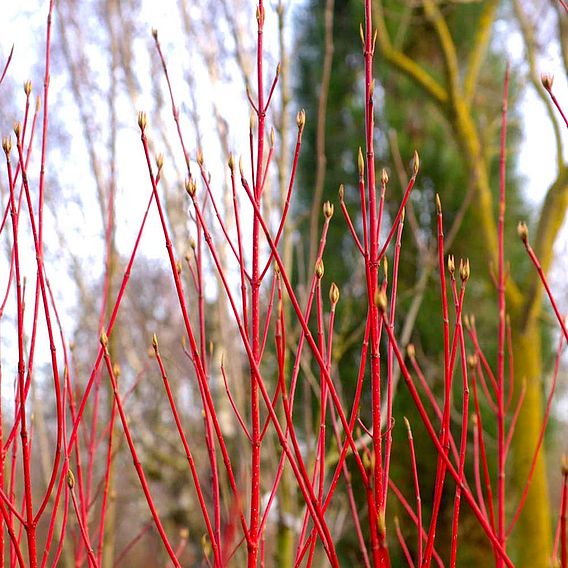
(532, 534)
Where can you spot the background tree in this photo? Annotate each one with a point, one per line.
(441, 78)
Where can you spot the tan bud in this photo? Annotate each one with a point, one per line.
(206, 546)
(116, 370)
(334, 294)
(380, 300)
(28, 87)
(103, 338)
(381, 523)
(192, 243)
(301, 119)
(451, 264)
(70, 479)
(142, 120)
(179, 266)
(523, 231)
(438, 205)
(160, 161)
(18, 130)
(271, 137)
(241, 169)
(328, 210)
(407, 424)
(231, 162)
(384, 177)
(319, 268)
(411, 350)
(7, 145)
(252, 120)
(472, 361)
(415, 163)
(362, 34)
(464, 270)
(155, 342)
(547, 79)
(200, 157)
(341, 192)
(190, 186)
(278, 69)
(360, 162)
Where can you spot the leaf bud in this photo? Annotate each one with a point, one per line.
(319, 268)
(472, 361)
(334, 294)
(464, 270)
(415, 163)
(451, 264)
(384, 177)
(142, 120)
(328, 210)
(7, 145)
(160, 161)
(28, 87)
(360, 162)
(341, 192)
(301, 119)
(190, 186)
(547, 79)
(70, 479)
(523, 231)
(231, 162)
(380, 300)
(411, 350)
